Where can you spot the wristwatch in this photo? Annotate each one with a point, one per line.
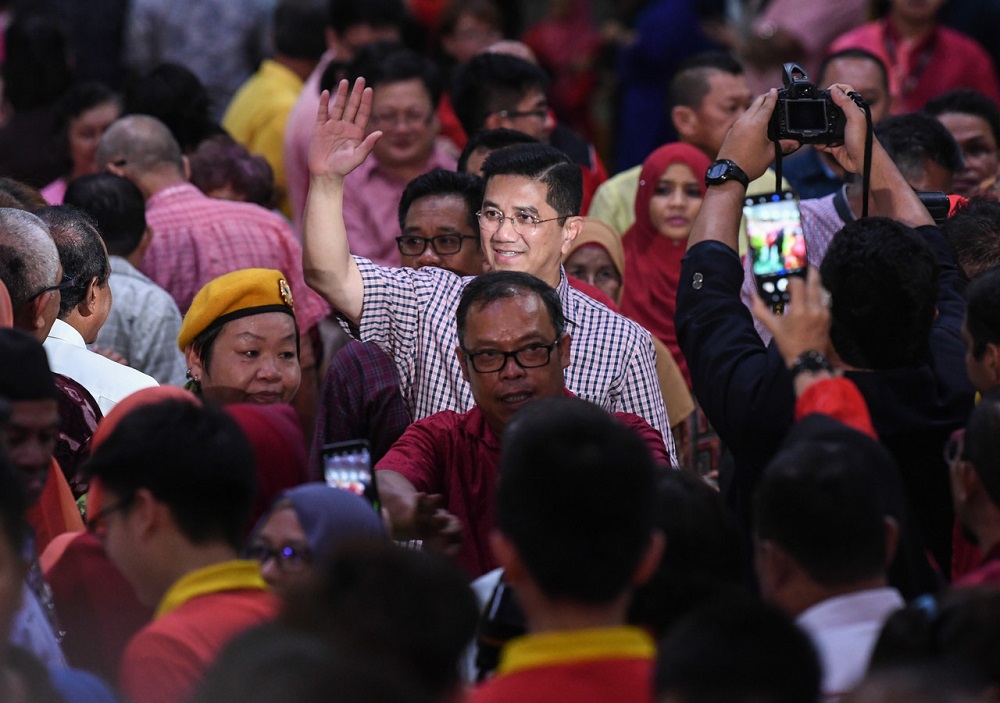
(725, 170)
(809, 361)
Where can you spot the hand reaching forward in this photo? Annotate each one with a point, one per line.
(339, 145)
(805, 326)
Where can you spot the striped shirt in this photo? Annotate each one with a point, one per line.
(410, 314)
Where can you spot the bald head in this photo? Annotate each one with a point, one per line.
(138, 145)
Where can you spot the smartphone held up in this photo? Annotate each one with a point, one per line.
(777, 246)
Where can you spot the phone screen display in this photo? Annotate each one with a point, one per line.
(348, 466)
(777, 245)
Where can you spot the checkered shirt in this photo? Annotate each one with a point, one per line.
(411, 315)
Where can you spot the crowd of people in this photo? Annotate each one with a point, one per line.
(338, 366)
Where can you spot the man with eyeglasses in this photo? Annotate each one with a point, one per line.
(528, 218)
(29, 267)
(407, 88)
(360, 397)
(177, 484)
(438, 481)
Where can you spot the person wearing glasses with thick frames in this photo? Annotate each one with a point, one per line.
(409, 313)
(438, 481)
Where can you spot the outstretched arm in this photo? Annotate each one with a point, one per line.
(338, 146)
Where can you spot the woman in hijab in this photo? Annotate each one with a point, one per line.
(671, 188)
(596, 256)
(304, 527)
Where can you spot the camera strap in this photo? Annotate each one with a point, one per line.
(866, 166)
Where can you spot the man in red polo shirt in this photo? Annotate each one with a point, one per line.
(438, 481)
(177, 484)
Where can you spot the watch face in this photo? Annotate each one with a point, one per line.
(717, 170)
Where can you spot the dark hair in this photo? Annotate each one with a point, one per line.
(982, 443)
(556, 460)
(193, 458)
(966, 101)
(490, 83)
(80, 251)
(271, 663)
(491, 139)
(910, 139)
(344, 14)
(853, 53)
(174, 95)
(411, 609)
(77, 100)
(974, 235)
(932, 682)
(467, 186)
(543, 163)
(486, 11)
(982, 311)
(299, 29)
(883, 281)
(702, 560)
(501, 285)
(20, 196)
(816, 501)
(117, 207)
(690, 85)
(220, 161)
(381, 63)
(738, 650)
(958, 627)
(36, 70)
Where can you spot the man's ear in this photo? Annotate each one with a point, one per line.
(685, 121)
(507, 557)
(116, 170)
(146, 513)
(650, 560)
(774, 566)
(88, 306)
(570, 231)
(36, 311)
(187, 168)
(564, 344)
(462, 364)
(991, 361)
(494, 121)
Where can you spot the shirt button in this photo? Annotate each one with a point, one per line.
(696, 281)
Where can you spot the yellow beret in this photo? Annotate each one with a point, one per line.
(234, 295)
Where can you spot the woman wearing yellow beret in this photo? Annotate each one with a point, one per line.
(240, 339)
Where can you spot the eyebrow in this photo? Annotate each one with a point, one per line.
(523, 208)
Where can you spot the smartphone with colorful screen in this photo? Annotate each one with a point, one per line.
(348, 466)
(777, 247)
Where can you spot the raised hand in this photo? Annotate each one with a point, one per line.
(805, 326)
(747, 143)
(339, 143)
(851, 153)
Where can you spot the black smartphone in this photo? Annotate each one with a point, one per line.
(777, 246)
(348, 465)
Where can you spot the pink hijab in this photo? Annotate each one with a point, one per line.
(652, 261)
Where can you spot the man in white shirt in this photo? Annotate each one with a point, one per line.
(823, 541)
(83, 309)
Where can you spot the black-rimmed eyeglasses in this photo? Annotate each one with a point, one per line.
(66, 283)
(529, 357)
(288, 558)
(443, 244)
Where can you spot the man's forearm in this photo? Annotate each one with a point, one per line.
(719, 216)
(326, 258)
(399, 498)
(892, 196)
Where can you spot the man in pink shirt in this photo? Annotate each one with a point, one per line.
(407, 88)
(350, 26)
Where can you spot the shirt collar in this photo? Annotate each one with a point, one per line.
(575, 646)
(171, 192)
(235, 575)
(65, 332)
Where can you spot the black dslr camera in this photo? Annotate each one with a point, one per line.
(804, 112)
